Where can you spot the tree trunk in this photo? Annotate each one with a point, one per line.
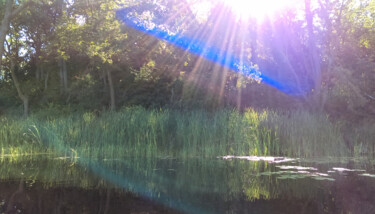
(63, 76)
(5, 26)
(46, 82)
(25, 100)
(314, 61)
(8, 14)
(22, 96)
(111, 90)
(105, 81)
(37, 73)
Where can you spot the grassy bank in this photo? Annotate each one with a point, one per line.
(137, 131)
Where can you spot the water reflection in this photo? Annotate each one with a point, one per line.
(41, 184)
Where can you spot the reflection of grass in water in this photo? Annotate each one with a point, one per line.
(193, 181)
(140, 132)
(51, 173)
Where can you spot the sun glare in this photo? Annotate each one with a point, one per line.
(258, 9)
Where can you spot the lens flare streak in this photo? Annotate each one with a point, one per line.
(199, 48)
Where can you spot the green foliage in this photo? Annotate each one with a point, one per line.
(148, 72)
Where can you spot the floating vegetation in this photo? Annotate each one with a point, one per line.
(276, 172)
(297, 172)
(368, 175)
(289, 174)
(322, 174)
(297, 167)
(260, 158)
(319, 178)
(338, 169)
(339, 160)
(292, 176)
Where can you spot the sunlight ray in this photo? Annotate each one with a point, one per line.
(229, 47)
(211, 37)
(211, 53)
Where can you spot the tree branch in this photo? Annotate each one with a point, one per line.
(8, 47)
(370, 97)
(20, 8)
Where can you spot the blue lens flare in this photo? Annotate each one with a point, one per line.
(200, 48)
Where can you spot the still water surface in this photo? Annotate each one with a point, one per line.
(48, 184)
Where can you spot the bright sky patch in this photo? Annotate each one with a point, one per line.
(258, 9)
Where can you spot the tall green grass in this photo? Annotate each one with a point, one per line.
(19, 137)
(169, 133)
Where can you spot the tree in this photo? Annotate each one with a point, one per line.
(9, 13)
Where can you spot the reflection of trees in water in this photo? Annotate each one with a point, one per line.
(211, 184)
(9, 206)
(75, 200)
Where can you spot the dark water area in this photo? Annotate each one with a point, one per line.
(47, 184)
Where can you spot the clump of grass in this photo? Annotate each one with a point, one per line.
(305, 134)
(363, 140)
(19, 137)
(169, 133)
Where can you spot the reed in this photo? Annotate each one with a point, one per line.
(19, 137)
(170, 133)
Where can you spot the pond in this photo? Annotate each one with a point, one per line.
(230, 184)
